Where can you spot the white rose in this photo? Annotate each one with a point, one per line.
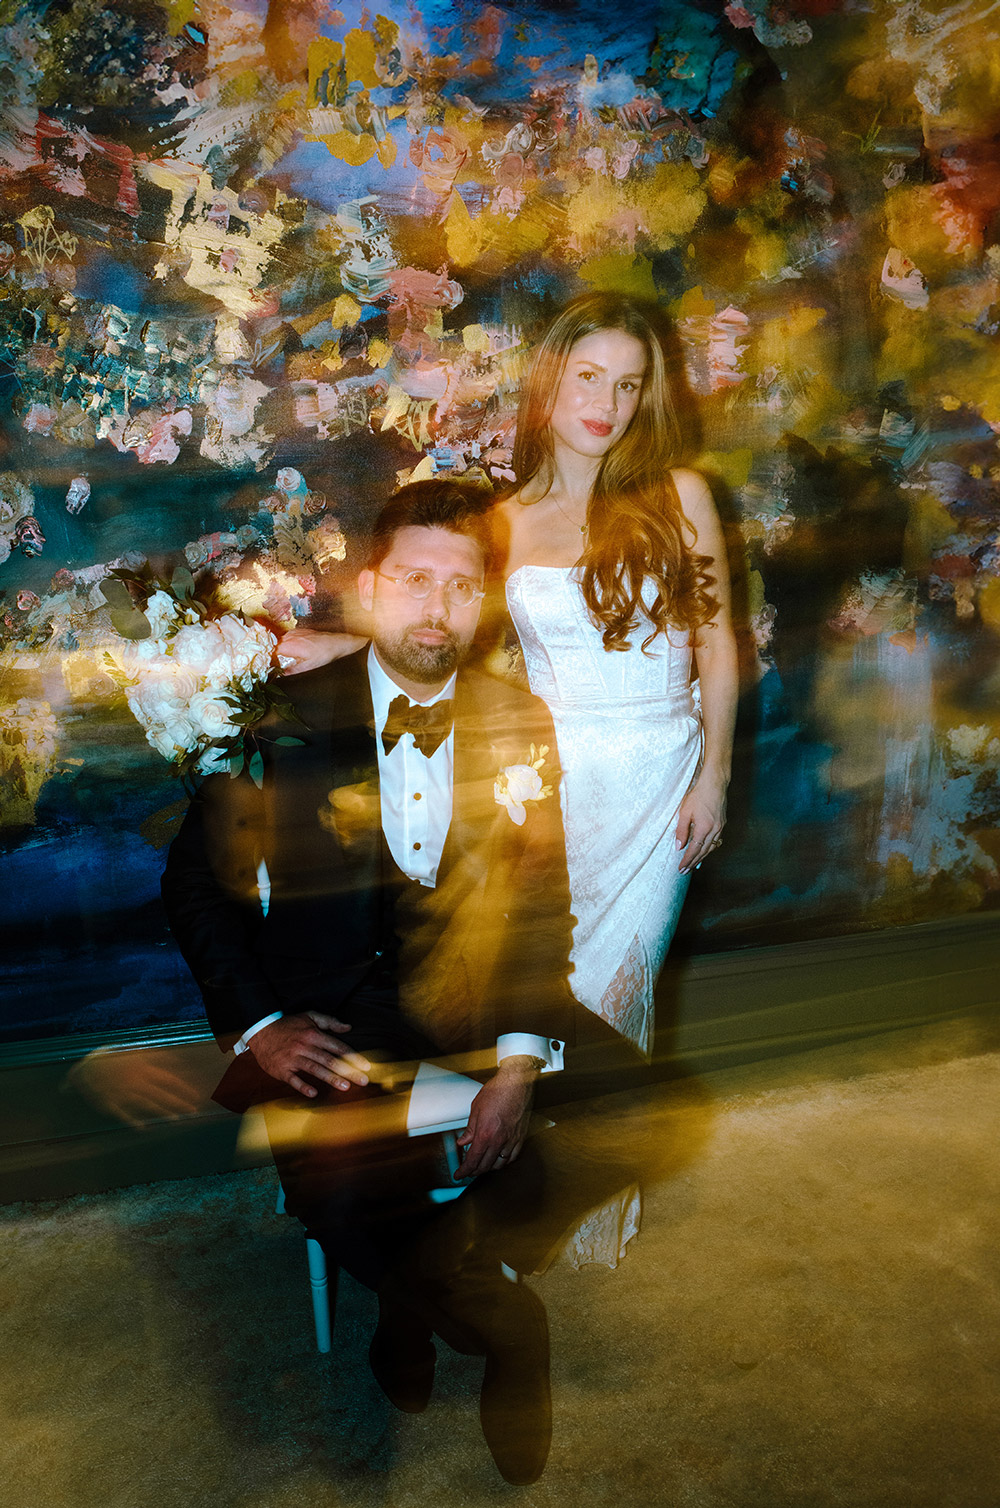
(220, 673)
(172, 738)
(162, 742)
(182, 681)
(168, 683)
(161, 613)
(158, 701)
(516, 784)
(211, 716)
(139, 654)
(213, 762)
(232, 629)
(198, 647)
(250, 647)
(172, 742)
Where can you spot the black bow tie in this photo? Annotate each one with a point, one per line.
(430, 725)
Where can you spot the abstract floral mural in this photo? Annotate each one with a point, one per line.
(260, 260)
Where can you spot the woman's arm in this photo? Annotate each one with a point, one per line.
(309, 648)
(702, 813)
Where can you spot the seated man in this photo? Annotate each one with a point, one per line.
(383, 899)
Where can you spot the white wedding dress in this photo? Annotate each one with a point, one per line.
(628, 735)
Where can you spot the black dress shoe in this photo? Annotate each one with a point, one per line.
(515, 1404)
(402, 1358)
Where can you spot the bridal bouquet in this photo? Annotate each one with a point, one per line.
(197, 684)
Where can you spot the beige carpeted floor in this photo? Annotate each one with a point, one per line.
(809, 1317)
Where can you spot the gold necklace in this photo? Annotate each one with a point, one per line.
(583, 528)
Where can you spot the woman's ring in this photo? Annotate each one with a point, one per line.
(501, 1154)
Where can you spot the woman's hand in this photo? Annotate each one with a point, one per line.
(703, 811)
(308, 649)
(701, 818)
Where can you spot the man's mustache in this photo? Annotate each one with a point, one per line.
(438, 626)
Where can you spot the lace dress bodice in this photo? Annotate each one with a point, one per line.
(566, 660)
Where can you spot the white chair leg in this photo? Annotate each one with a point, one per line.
(316, 1257)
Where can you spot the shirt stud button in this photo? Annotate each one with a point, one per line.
(416, 795)
(416, 845)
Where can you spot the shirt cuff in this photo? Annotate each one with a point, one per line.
(251, 1031)
(526, 1044)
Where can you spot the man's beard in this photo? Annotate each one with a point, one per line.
(426, 664)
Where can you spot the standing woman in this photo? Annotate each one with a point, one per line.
(618, 587)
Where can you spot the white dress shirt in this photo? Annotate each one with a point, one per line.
(416, 792)
(416, 795)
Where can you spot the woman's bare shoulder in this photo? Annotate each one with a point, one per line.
(691, 487)
(696, 500)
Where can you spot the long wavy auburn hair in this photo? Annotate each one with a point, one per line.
(634, 518)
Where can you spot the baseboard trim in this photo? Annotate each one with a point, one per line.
(122, 1039)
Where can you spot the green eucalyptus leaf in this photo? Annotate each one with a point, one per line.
(283, 707)
(116, 593)
(256, 768)
(128, 621)
(182, 583)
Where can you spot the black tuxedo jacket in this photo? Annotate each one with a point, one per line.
(485, 952)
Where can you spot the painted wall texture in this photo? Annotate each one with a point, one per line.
(260, 260)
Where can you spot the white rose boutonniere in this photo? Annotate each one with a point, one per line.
(517, 784)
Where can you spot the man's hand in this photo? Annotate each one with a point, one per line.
(303, 1044)
(140, 1088)
(498, 1118)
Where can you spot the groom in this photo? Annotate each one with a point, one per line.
(386, 896)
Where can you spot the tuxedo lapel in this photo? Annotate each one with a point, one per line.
(350, 807)
(351, 719)
(323, 807)
(475, 766)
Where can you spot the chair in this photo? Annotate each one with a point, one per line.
(439, 1101)
(323, 1303)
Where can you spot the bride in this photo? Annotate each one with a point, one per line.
(618, 588)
